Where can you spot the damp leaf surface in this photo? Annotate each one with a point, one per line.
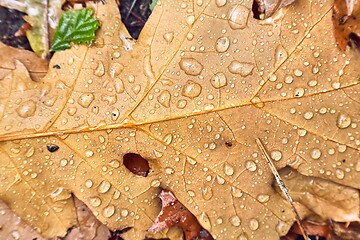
(190, 96)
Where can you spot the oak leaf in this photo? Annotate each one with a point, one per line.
(191, 95)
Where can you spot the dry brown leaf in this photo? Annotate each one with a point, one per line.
(203, 81)
(36, 66)
(266, 8)
(346, 22)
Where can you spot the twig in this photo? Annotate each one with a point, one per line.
(282, 186)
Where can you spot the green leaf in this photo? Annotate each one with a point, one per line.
(75, 26)
(153, 4)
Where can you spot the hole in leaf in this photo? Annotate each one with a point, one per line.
(256, 10)
(115, 235)
(134, 14)
(228, 144)
(52, 147)
(136, 164)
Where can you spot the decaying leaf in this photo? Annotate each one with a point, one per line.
(36, 66)
(327, 199)
(266, 8)
(173, 213)
(42, 15)
(346, 23)
(191, 95)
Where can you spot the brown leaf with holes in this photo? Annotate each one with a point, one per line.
(346, 22)
(263, 9)
(173, 213)
(190, 96)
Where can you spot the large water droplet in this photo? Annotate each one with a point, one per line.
(86, 99)
(280, 55)
(26, 109)
(207, 193)
(109, 211)
(204, 221)
(222, 44)
(250, 165)
(228, 169)
(235, 192)
(124, 212)
(263, 198)
(191, 66)
(238, 16)
(88, 183)
(168, 37)
(282, 228)
(30, 152)
(242, 68)
(343, 121)
(164, 98)
(115, 69)
(95, 201)
(218, 80)
(276, 155)
(299, 92)
(100, 69)
(235, 221)
(253, 224)
(340, 174)
(315, 153)
(220, 3)
(119, 86)
(168, 138)
(191, 89)
(104, 186)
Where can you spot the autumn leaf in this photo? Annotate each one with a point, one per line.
(191, 95)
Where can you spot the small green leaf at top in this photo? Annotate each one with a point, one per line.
(75, 26)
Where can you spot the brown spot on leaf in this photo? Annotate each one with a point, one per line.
(136, 164)
(266, 8)
(173, 213)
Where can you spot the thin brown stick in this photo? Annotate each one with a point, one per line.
(282, 186)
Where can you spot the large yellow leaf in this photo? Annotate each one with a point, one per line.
(203, 81)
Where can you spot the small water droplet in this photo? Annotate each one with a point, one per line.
(276, 155)
(242, 68)
(169, 170)
(100, 69)
(26, 109)
(228, 169)
(95, 201)
(109, 211)
(168, 37)
(253, 224)
(289, 79)
(15, 234)
(164, 98)
(218, 80)
(124, 212)
(191, 66)
(298, 72)
(340, 174)
(204, 221)
(238, 16)
(88, 183)
(136, 89)
(257, 102)
(181, 104)
(114, 163)
(86, 99)
(222, 44)
(235, 192)
(220, 180)
(242, 237)
(190, 20)
(235, 221)
(119, 85)
(191, 89)
(104, 186)
(155, 183)
(71, 111)
(250, 165)
(89, 153)
(168, 138)
(299, 92)
(315, 153)
(115, 114)
(343, 121)
(308, 115)
(50, 101)
(63, 162)
(263, 198)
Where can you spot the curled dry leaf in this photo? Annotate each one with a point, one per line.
(263, 9)
(325, 198)
(36, 67)
(173, 213)
(346, 15)
(191, 95)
